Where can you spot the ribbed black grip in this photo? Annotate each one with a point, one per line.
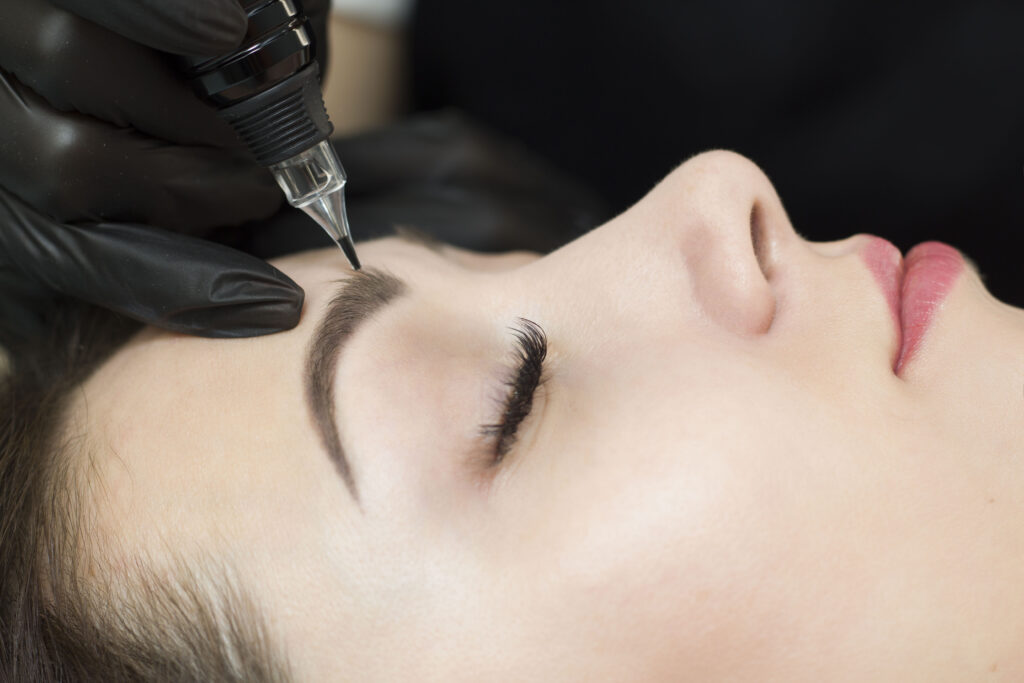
(284, 120)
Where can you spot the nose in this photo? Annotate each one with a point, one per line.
(717, 220)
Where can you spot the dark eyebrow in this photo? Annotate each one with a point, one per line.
(359, 297)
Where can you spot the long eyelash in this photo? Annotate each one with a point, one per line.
(531, 350)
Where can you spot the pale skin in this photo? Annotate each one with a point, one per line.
(722, 479)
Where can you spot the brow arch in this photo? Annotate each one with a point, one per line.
(359, 297)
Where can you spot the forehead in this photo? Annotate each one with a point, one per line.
(183, 431)
(189, 429)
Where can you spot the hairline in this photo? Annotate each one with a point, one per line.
(56, 486)
(186, 594)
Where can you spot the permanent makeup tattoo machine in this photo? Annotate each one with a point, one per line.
(268, 89)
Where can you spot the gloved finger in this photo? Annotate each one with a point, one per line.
(79, 66)
(199, 28)
(77, 168)
(179, 283)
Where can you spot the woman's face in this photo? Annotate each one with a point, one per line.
(721, 476)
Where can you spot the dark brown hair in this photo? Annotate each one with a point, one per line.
(59, 620)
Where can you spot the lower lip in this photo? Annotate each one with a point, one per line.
(929, 271)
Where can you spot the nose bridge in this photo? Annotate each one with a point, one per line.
(688, 243)
(603, 277)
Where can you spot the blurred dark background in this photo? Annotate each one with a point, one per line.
(904, 120)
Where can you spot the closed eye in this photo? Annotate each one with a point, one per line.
(531, 348)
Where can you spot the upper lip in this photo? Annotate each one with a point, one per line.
(886, 263)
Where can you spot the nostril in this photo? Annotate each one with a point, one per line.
(760, 240)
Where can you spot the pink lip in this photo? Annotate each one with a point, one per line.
(914, 286)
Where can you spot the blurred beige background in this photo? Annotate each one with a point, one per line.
(366, 77)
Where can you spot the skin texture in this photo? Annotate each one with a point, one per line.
(721, 478)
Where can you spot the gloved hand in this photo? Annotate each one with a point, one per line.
(156, 276)
(100, 134)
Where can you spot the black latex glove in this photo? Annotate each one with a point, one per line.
(156, 276)
(100, 128)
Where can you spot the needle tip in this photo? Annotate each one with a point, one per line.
(349, 247)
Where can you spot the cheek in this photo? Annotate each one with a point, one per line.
(665, 515)
(638, 560)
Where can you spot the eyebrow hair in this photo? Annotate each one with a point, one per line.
(360, 296)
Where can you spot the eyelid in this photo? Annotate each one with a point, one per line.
(520, 389)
